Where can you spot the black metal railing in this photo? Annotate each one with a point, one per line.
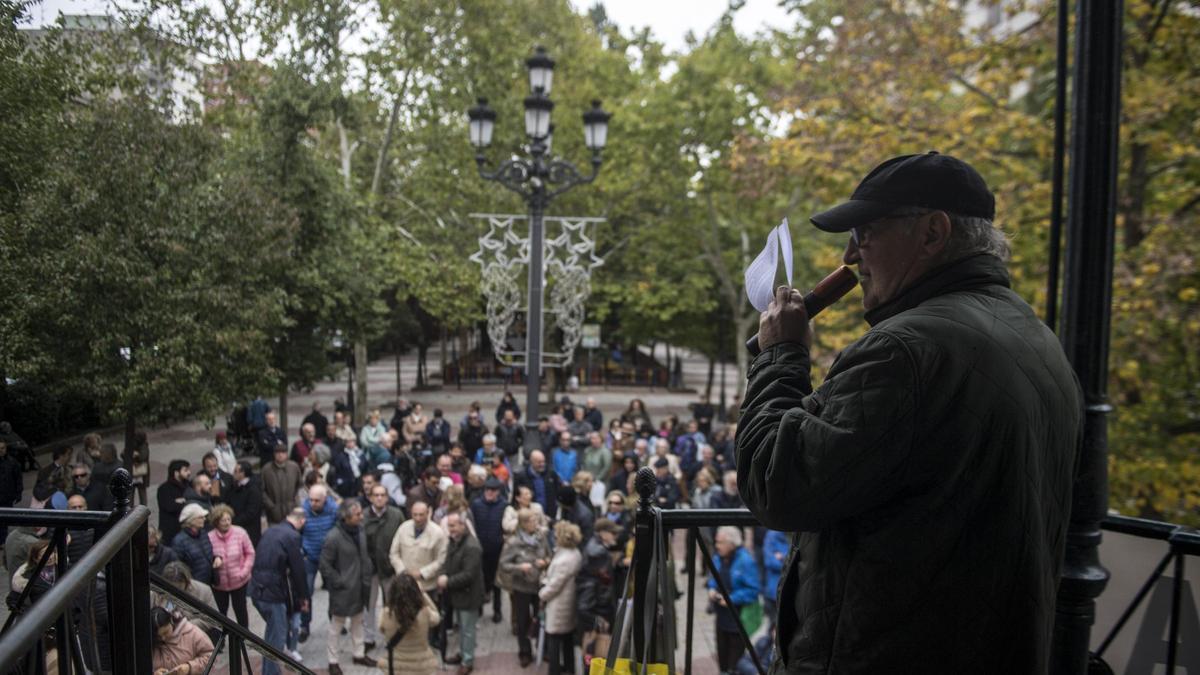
(232, 633)
(695, 522)
(119, 552)
(1181, 542)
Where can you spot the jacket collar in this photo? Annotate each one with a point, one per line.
(960, 275)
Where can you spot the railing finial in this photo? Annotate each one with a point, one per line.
(121, 487)
(645, 484)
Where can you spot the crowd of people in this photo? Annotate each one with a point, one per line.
(417, 527)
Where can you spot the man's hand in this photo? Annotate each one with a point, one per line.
(785, 320)
(526, 568)
(304, 606)
(442, 581)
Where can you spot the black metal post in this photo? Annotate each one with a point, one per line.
(1173, 631)
(690, 547)
(533, 321)
(1058, 168)
(63, 624)
(235, 655)
(643, 544)
(1087, 296)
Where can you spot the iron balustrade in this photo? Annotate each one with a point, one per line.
(1182, 541)
(694, 521)
(232, 632)
(120, 533)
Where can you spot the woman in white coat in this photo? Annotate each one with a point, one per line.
(558, 594)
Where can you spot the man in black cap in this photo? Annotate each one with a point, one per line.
(929, 476)
(488, 513)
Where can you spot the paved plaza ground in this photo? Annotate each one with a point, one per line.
(497, 647)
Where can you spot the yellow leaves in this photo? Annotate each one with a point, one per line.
(1189, 294)
(1129, 369)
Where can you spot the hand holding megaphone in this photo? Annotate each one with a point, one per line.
(830, 289)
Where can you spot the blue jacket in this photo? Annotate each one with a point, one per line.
(687, 447)
(278, 574)
(743, 590)
(318, 525)
(566, 463)
(774, 543)
(489, 517)
(341, 478)
(195, 552)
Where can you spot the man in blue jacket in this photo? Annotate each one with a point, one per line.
(320, 517)
(488, 513)
(740, 576)
(279, 584)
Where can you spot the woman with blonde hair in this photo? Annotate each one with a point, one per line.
(558, 594)
(373, 432)
(454, 500)
(524, 556)
(231, 543)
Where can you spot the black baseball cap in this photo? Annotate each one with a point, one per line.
(931, 181)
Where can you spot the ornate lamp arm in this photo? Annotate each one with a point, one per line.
(563, 173)
(512, 174)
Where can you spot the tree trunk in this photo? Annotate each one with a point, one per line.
(744, 325)
(130, 434)
(283, 408)
(712, 365)
(442, 356)
(421, 366)
(1133, 203)
(360, 374)
(399, 391)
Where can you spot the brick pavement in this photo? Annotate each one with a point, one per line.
(496, 651)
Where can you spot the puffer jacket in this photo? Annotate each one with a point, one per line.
(187, 644)
(489, 523)
(930, 478)
(558, 591)
(195, 550)
(317, 525)
(237, 558)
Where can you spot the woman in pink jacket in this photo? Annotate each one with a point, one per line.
(180, 648)
(232, 545)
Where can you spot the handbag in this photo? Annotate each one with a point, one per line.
(659, 581)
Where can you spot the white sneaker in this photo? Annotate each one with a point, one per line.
(295, 654)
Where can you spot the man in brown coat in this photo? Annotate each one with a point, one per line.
(281, 481)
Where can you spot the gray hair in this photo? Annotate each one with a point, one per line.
(732, 534)
(969, 235)
(346, 508)
(489, 438)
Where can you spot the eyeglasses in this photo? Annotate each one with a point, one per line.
(861, 234)
(81, 475)
(616, 503)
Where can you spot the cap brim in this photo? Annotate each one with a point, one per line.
(854, 212)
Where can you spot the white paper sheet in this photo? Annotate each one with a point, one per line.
(760, 275)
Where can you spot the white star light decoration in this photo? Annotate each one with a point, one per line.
(567, 264)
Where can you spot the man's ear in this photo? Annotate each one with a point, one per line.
(935, 236)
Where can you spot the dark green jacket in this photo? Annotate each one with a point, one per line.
(380, 532)
(464, 572)
(929, 477)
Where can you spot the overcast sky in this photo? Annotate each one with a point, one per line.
(670, 20)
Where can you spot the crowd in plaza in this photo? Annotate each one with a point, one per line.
(416, 527)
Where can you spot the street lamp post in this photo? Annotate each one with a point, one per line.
(538, 178)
